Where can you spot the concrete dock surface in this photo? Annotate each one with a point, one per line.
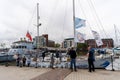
(99, 74)
(17, 73)
(29, 73)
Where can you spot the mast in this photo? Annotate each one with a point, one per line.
(38, 24)
(115, 35)
(74, 22)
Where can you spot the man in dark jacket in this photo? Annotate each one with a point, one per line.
(73, 56)
(91, 59)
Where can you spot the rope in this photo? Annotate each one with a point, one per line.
(64, 20)
(84, 13)
(51, 15)
(92, 6)
(29, 23)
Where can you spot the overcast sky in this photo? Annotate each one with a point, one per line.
(19, 16)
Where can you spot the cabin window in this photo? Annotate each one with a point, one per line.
(22, 46)
(19, 46)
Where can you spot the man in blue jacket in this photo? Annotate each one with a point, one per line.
(91, 59)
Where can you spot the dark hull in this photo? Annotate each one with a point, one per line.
(5, 58)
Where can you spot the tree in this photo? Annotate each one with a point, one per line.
(81, 48)
(57, 45)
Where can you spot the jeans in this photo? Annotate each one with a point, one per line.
(73, 62)
(91, 65)
(17, 63)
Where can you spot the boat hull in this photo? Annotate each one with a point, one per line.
(5, 58)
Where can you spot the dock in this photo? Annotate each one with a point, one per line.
(31, 73)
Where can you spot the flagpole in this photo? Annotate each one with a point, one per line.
(74, 22)
(38, 24)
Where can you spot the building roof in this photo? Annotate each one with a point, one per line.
(51, 41)
(69, 38)
(22, 41)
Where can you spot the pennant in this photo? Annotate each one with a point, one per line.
(79, 37)
(79, 23)
(29, 36)
(97, 38)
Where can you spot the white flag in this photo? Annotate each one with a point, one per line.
(79, 23)
(79, 37)
(97, 38)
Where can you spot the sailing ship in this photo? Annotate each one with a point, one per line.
(81, 63)
(21, 47)
(100, 62)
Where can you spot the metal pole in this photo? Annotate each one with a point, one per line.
(112, 60)
(7, 61)
(38, 25)
(115, 35)
(37, 33)
(74, 21)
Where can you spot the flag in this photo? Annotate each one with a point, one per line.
(79, 23)
(79, 37)
(29, 36)
(97, 38)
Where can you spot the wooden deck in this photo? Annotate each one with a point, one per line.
(55, 74)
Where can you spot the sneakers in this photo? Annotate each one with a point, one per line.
(75, 70)
(89, 71)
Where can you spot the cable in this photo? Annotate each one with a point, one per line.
(84, 14)
(64, 20)
(51, 15)
(31, 18)
(91, 7)
(90, 2)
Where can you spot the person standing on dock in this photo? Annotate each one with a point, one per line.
(43, 56)
(17, 60)
(52, 61)
(57, 54)
(28, 61)
(21, 62)
(91, 59)
(24, 60)
(73, 56)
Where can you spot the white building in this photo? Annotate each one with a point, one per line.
(40, 43)
(67, 43)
